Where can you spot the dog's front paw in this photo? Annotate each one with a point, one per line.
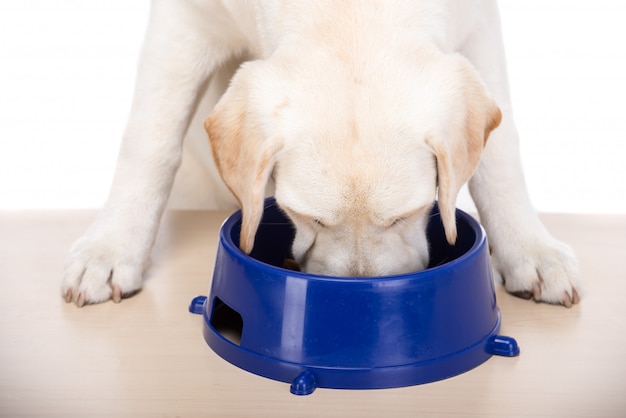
(545, 270)
(102, 266)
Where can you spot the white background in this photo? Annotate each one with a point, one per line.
(67, 69)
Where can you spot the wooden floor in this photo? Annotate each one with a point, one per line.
(146, 356)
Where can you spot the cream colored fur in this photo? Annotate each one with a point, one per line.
(359, 114)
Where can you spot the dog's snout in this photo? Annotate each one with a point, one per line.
(359, 263)
(360, 268)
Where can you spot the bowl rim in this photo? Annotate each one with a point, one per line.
(227, 243)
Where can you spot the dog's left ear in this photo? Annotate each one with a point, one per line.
(460, 137)
(243, 148)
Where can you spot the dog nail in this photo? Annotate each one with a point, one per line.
(69, 296)
(567, 301)
(117, 294)
(80, 302)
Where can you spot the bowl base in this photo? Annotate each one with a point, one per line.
(224, 338)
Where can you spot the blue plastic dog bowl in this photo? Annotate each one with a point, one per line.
(352, 332)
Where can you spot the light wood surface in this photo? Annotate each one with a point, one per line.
(146, 356)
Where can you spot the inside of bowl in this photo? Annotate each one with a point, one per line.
(276, 233)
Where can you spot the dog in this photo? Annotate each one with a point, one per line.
(360, 114)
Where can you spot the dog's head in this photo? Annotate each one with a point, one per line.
(357, 158)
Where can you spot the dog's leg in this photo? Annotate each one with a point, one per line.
(529, 260)
(178, 56)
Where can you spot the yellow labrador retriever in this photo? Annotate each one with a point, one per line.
(361, 113)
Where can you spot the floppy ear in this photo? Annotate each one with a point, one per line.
(243, 151)
(459, 141)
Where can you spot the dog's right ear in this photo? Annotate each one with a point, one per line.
(244, 146)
